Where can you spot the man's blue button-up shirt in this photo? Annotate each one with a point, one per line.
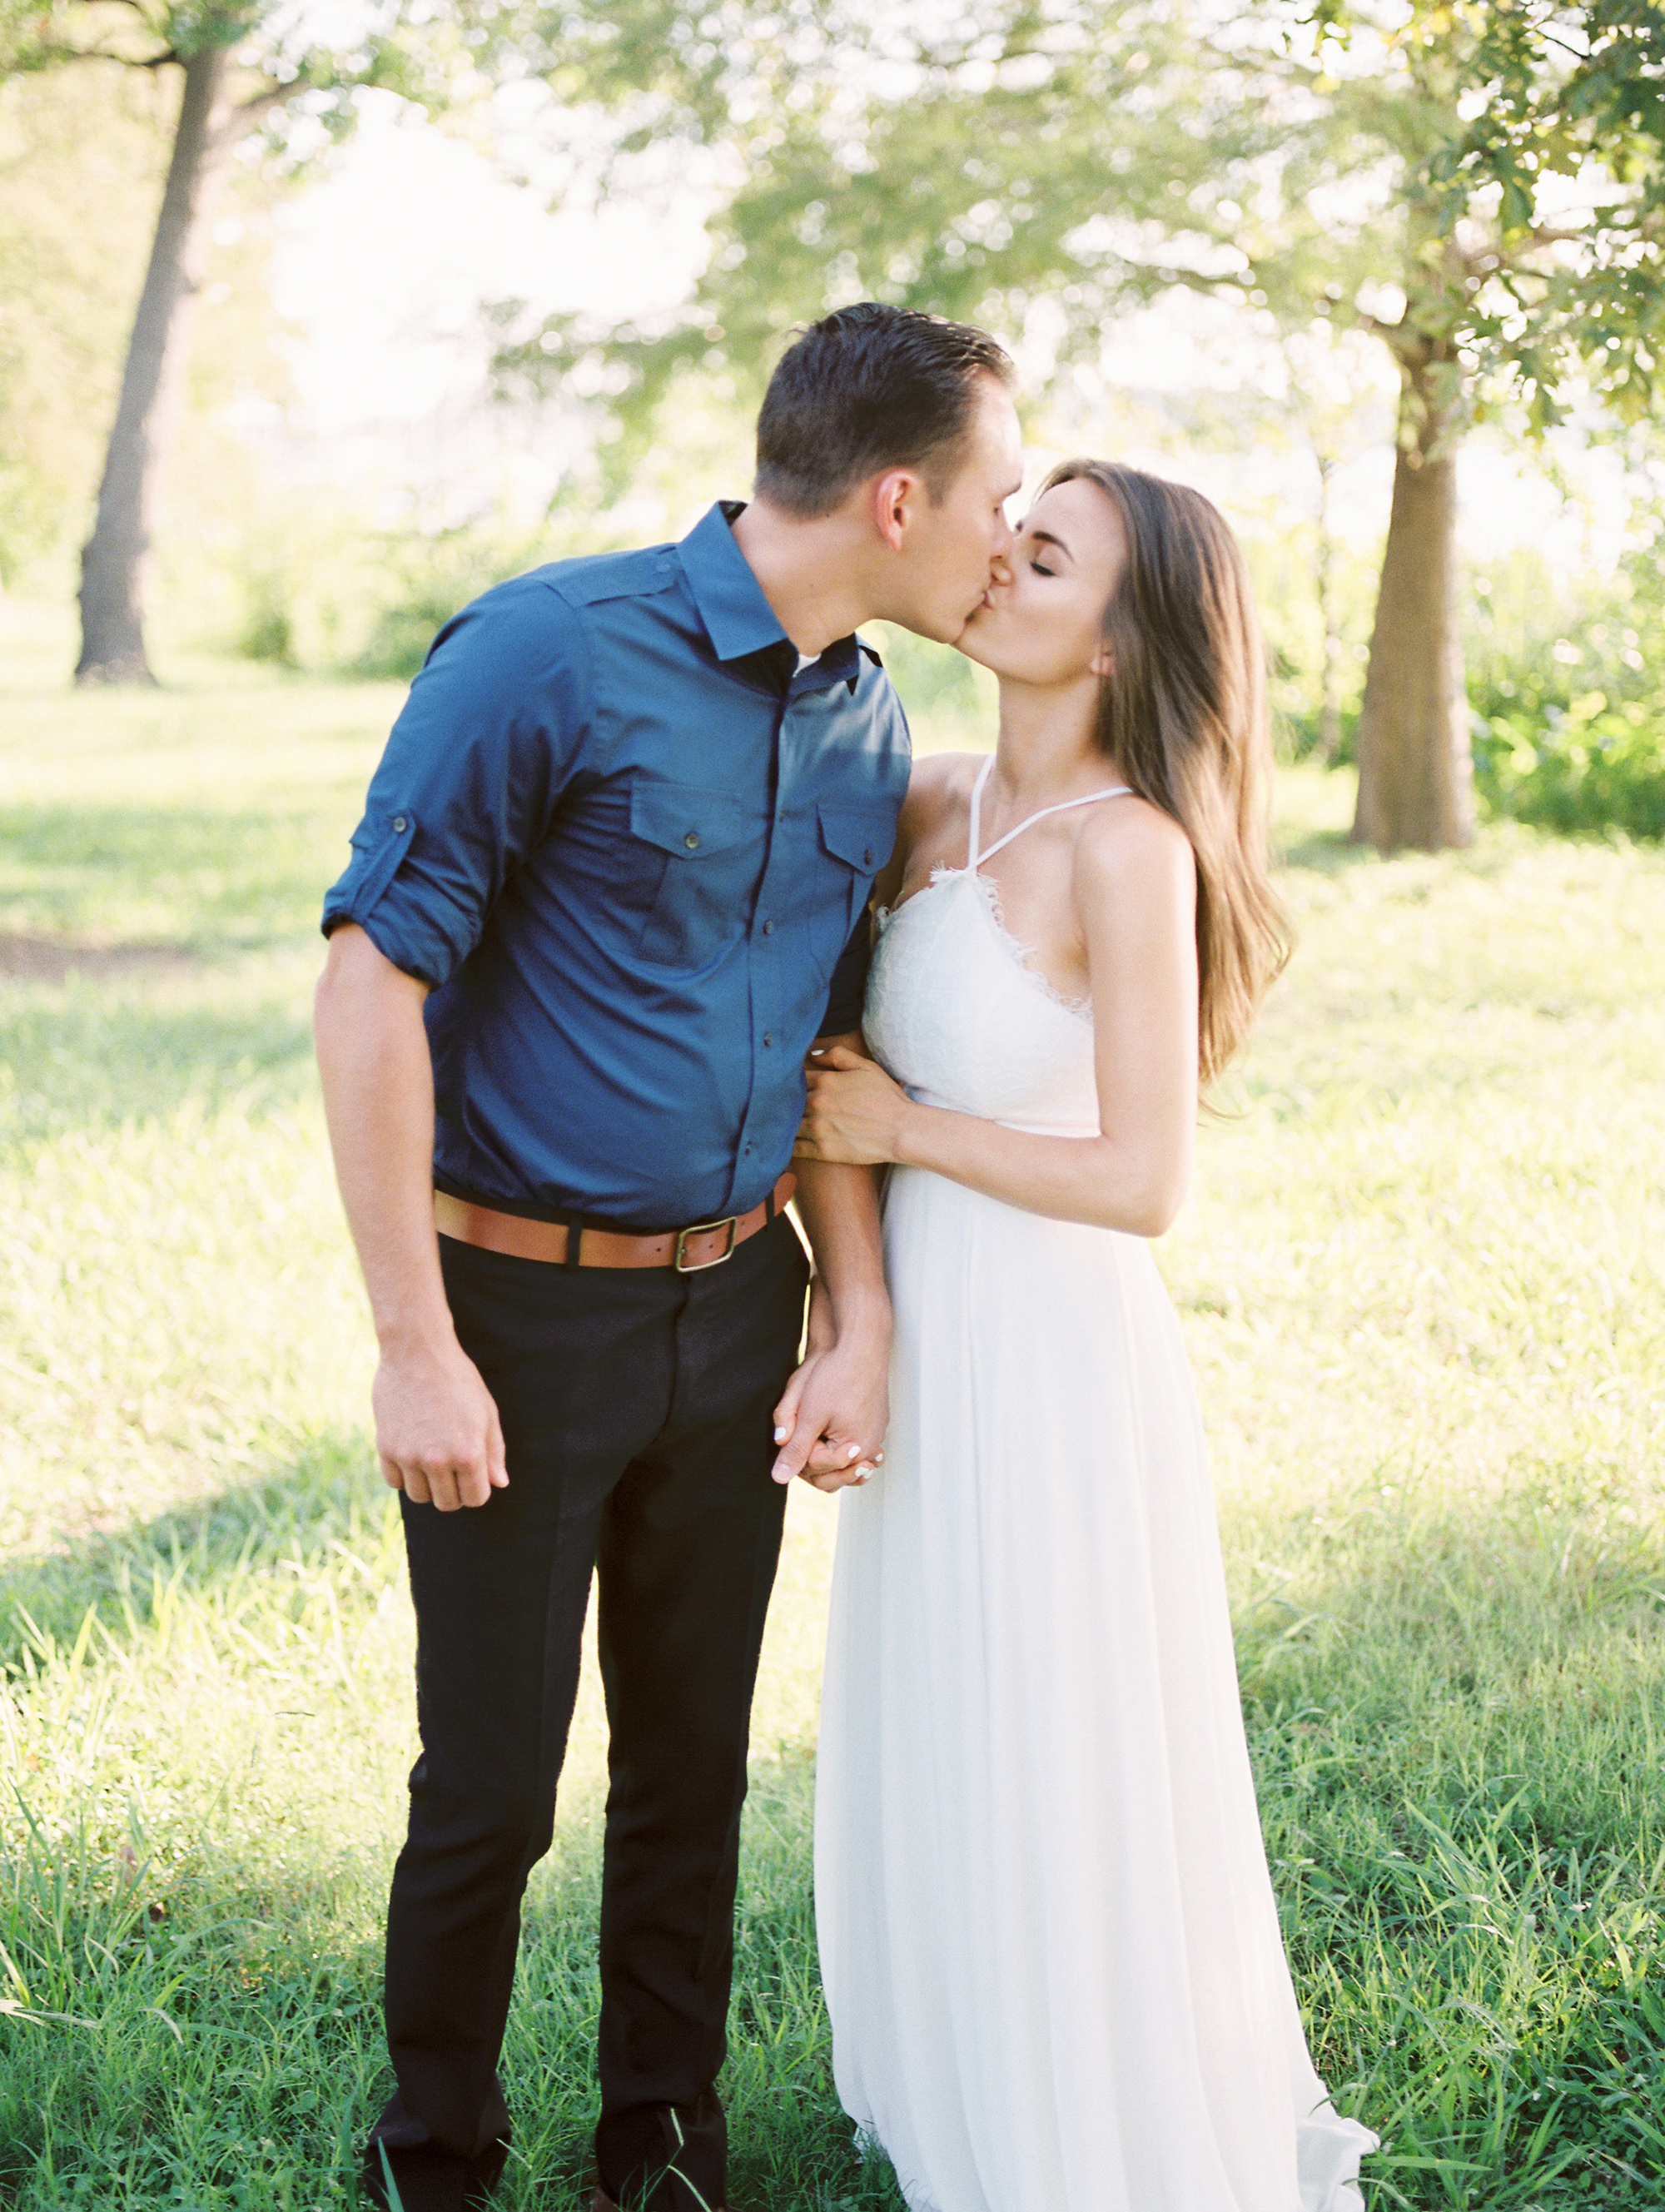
(627, 840)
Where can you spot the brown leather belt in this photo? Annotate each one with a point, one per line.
(707, 1244)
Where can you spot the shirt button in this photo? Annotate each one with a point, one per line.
(768, 929)
(692, 841)
(785, 815)
(867, 856)
(399, 821)
(769, 1037)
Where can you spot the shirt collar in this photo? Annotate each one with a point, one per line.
(739, 620)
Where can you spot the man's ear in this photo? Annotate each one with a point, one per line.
(894, 496)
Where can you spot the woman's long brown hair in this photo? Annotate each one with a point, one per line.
(1183, 714)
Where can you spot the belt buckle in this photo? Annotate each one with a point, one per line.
(684, 1266)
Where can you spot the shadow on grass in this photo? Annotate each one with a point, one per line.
(1327, 852)
(229, 2053)
(92, 1056)
(1454, 1742)
(215, 2039)
(1455, 1724)
(214, 880)
(328, 1496)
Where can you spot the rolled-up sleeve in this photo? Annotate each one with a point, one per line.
(473, 773)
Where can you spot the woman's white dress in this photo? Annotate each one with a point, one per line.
(1049, 1943)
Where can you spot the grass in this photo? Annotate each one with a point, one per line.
(1421, 1285)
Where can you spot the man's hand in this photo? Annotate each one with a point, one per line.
(438, 1435)
(832, 1416)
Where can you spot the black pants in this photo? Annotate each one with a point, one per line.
(636, 1408)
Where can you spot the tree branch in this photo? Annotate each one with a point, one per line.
(243, 115)
(52, 52)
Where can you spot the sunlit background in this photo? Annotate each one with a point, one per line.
(1422, 1279)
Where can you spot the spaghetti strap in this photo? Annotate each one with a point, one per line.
(976, 812)
(974, 859)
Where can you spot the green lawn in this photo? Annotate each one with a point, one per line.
(1421, 1283)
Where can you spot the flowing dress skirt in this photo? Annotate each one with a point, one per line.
(1050, 1947)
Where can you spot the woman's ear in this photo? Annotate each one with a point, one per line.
(1102, 662)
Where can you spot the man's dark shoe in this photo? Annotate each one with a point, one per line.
(431, 2180)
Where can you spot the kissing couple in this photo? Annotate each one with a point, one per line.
(650, 928)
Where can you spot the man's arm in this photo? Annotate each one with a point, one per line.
(437, 1432)
(830, 1422)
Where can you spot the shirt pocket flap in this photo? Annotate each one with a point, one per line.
(860, 836)
(683, 819)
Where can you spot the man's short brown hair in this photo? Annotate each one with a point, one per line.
(870, 388)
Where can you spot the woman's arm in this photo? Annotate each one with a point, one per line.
(1134, 890)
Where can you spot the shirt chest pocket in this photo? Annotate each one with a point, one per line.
(705, 850)
(858, 840)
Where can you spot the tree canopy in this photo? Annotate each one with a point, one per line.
(1480, 188)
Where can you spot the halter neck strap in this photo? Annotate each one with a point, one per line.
(974, 859)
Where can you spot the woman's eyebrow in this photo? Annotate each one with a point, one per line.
(1046, 538)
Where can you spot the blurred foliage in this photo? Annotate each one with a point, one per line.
(80, 169)
(1499, 170)
(323, 591)
(299, 70)
(1482, 189)
(1563, 155)
(321, 587)
(1568, 690)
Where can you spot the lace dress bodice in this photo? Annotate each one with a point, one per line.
(959, 1017)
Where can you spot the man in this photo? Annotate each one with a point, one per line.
(622, 833)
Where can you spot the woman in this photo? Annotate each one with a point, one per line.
(1050, 1947)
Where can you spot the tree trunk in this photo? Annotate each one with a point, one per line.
(1415, 773)
(113, 559)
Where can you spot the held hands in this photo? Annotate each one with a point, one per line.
(833, 1414)
(438, 1435)
(854, 1111)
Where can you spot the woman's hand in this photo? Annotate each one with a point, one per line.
(854, 1112)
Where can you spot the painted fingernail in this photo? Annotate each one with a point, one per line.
(854, 1452)
(780, 1433)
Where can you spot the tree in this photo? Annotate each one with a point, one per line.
(1056, 161)
(244, 70)
(1532, 146)
(77, 171)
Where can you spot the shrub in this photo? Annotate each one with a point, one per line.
(420, 582)
(320, 586)
(1569, 696)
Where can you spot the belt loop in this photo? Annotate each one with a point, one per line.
(575, 1244)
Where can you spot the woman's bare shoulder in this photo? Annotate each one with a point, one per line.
(939, 784)
(1129, 845)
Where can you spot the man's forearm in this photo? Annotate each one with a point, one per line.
(378, 1102)
(839, 1208)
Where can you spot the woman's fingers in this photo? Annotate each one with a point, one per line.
(834, 1056)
